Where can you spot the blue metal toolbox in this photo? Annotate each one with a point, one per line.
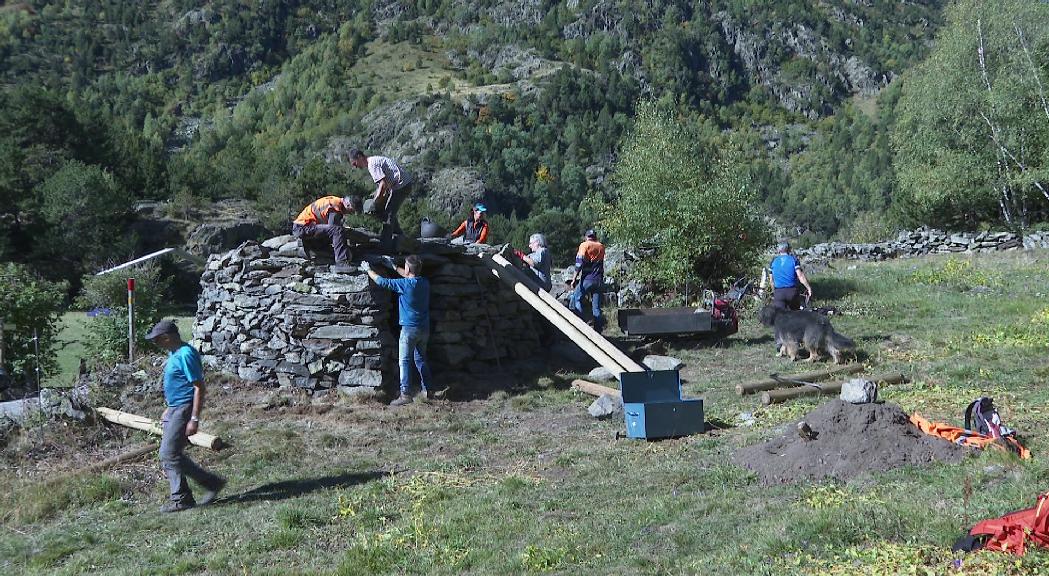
(653, 407)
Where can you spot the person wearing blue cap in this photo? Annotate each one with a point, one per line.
(786, 274)
(474, 229)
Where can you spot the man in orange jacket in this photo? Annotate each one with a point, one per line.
(323, 217)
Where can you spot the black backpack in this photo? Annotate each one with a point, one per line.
(982, 417)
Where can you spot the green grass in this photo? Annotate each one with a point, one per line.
(71, 348)
(526, 483)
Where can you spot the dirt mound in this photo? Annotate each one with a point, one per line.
(849, 441)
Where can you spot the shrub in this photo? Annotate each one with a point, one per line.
(28, 302)
(106, 336)
(680, 190)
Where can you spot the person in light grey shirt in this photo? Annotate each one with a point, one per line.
(538, 260)
(392, 186)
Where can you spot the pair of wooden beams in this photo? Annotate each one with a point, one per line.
(591, 342)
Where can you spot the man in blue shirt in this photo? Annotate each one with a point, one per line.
(413, 306)
(786, 275)
(184, 395)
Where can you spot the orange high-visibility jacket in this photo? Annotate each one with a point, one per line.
(474, 230)
(318, 211)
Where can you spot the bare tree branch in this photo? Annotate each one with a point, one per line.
(1034, 69)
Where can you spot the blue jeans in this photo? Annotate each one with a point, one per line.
(593, 290)
(412, 344)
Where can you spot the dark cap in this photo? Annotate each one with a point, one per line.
(590, 234)
(161, 328)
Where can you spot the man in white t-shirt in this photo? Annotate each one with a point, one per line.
(392, 186)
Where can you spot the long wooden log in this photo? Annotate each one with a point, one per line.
(584, 329)
(559, 322)
(772, 383)
(594, 389)
(153, 427)
(784, 394)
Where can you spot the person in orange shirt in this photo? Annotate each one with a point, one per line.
(589, 278)
(323, 218)
(474, 229)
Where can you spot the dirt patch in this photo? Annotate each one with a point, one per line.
(850, 441)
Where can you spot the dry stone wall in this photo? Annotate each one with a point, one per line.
(928, 241)
(270, 314)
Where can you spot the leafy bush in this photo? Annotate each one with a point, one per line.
(27, 303)
(106, 334)
(680, 191)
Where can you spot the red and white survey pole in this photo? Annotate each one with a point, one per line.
(130, 320)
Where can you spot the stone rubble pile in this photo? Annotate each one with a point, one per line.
(927, 241)
(270, 314)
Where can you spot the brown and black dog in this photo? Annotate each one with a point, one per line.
(795, 329)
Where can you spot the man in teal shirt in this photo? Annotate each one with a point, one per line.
(184, 395)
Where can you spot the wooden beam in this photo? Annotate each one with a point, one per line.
(153, 427)
(784, 394)
(580, 329)
(772, 383)
(559, 322)
(594, 388)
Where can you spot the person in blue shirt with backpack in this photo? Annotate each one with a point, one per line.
(786, 274)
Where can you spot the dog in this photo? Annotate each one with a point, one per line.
(797, 329)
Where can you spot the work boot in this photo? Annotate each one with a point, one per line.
(172, 506)
(343, 268)
(212, 493)
(402, 400)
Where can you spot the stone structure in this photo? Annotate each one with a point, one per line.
(927, 241)
(270, 314)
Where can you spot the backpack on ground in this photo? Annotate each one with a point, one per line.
(982, 417)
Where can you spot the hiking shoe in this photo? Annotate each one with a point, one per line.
(210, 495)
(343, 268)
(402, 400)
(171, 506)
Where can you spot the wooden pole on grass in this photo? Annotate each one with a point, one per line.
(784, 394)
(594, 389)
(773, 383)
(153, 427)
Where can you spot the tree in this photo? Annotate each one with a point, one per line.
(973, 119)
(29, 303)
(679, 189)
(105, 298)
(86, 210)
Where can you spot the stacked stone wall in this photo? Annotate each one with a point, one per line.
(270, 314)
(928, 241)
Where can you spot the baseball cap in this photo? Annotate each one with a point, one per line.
(590, 233)
(480, 207)
(162, 327)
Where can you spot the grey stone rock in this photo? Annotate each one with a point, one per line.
(602, 374)
(859, 391)
(344, 332)
(656, 362)
(606, 405)
(360, 377)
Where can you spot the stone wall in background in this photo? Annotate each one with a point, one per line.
(270, 314)
(927, 241)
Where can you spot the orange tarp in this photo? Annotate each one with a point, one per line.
(1011, 532)
(968, 437)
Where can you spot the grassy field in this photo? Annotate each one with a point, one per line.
(520, 480)
(71, 347)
